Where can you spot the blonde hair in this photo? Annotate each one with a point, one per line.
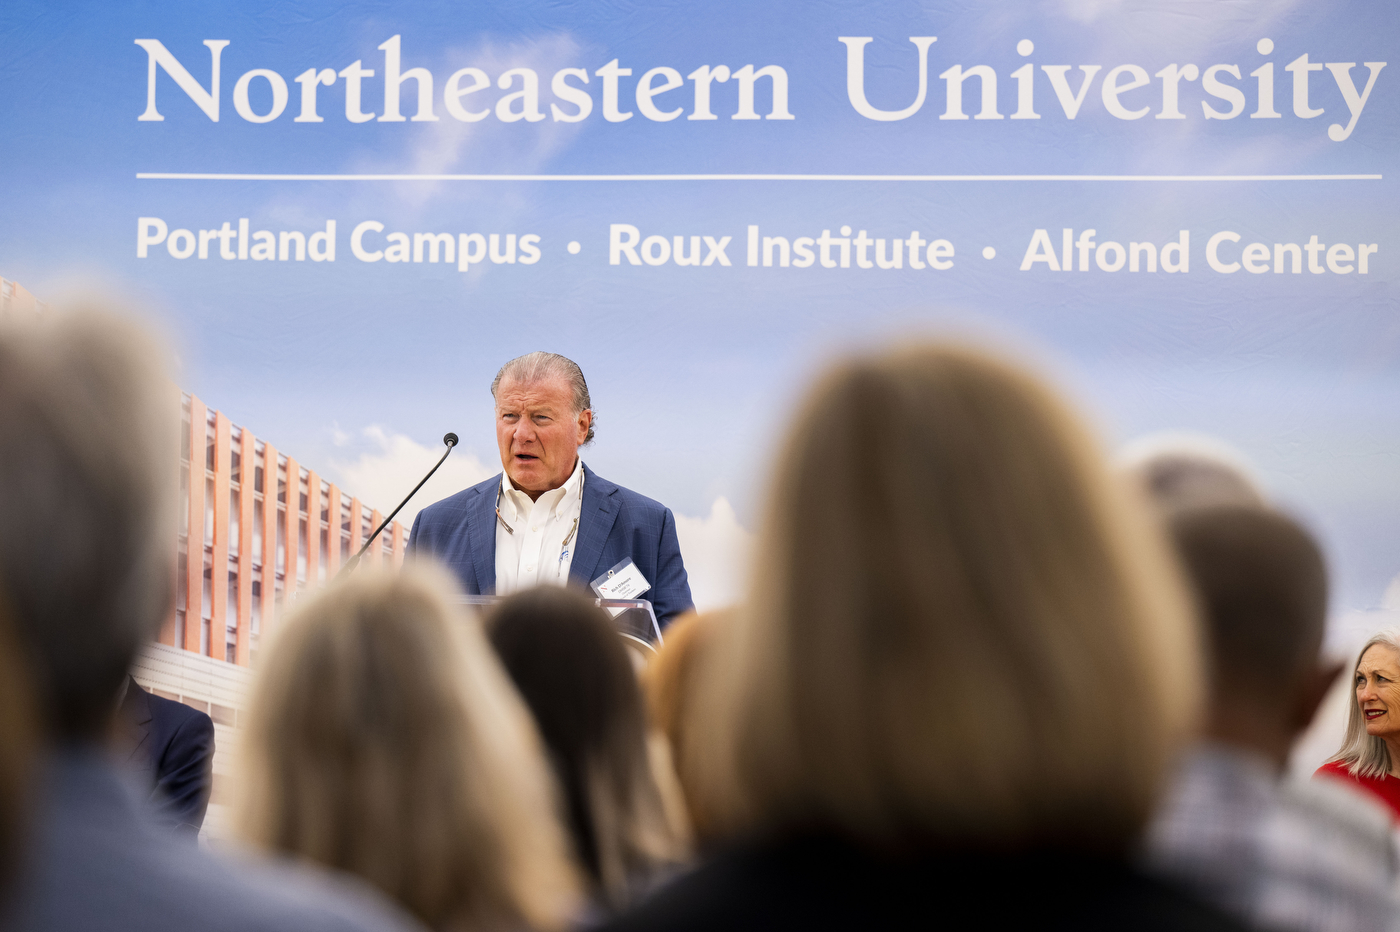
(384, 740)
(670, 682)
(961, 627)
(1366, 755)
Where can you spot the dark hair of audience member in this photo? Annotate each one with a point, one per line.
(17, 750)
(1261, 587)
(87, 426)
(385, 740)
(669, 683)
(570, 665)
(962, 629)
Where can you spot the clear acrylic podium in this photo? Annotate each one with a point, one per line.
(635, 619)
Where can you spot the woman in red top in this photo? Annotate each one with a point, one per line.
(1370, 755)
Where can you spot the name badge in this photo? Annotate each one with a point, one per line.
(623, 581)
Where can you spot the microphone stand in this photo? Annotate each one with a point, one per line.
(451, 440)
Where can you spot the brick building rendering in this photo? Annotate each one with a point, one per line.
(256, 528)
(17, 302)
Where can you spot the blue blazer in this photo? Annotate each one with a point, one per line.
(614, 523)
(170, 747)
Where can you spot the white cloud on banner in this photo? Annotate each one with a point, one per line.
(716, 549)
(1391, 600)
(1187, 21)
(393, 464)
(450, 145)
(716, 546)
(1087, 11)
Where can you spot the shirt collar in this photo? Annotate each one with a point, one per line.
(572, 488)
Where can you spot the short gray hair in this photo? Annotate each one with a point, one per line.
(88, 428)
(1366, 755)
(540, 366)
(1181, 471)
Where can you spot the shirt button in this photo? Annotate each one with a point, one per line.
(534, 529)
(530, 568)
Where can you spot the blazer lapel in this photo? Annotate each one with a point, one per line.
(597, 514)
(135, 721)
(481, 526)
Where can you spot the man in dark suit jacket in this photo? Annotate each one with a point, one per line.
(548, 518)
(170, 747)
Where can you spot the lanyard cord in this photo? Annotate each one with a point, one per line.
(563, 548)
(509, 530)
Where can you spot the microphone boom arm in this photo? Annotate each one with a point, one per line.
(451, 440)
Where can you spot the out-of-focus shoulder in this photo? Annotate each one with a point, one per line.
(1342, 801)
(295, 896)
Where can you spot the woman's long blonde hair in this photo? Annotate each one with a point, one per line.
(1366, 755)
(672, 683)
(961, 626)
(384, 740)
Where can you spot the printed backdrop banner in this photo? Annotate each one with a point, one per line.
(350, 214)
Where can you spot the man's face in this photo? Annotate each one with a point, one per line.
(538, 433)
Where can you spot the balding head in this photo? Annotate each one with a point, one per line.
(1183, 471)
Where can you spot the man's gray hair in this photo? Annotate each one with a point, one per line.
(88, 441)
(540, 366)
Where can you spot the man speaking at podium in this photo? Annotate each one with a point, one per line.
(548, 519)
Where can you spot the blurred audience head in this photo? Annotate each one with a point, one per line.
(385, 740)
(1182, 470)
(88, 430)
(962, 629)
(671, 681)
(1261, 590)
(1373, 722)
(570, 664)
(17, 747)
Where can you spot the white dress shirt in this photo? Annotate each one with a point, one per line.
(535, 540)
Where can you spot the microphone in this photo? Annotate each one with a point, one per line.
(448, 438)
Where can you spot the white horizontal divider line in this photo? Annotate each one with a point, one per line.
(235, 176)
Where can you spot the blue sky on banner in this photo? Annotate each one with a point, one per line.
(359, 366)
